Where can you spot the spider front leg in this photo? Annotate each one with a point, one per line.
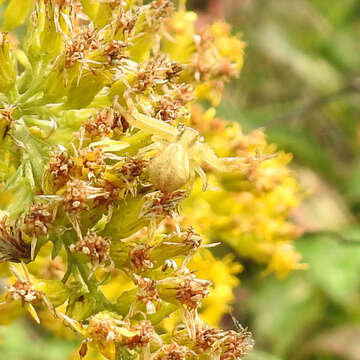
(145, 122)
(197, 169)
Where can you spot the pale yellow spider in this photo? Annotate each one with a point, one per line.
(179, 151)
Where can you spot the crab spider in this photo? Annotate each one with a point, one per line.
(180, 151)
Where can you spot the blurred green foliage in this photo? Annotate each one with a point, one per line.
(301, 81)
(22, 341)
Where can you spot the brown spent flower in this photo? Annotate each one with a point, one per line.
(101, 124)
(157, 71)
(94, 246)
(126, 22)
(236, 344)
(24, 291)
(132, 168)
(140, 258)
(39, 219)
(76, 196)
(104, 123)
(8, 110)
(110, 196)
(173, 351)
(192, 239)
(60, 167)
(80, 44)
(168, 108)
(166, 204)
(147, 294)
(228, 344)
(114, 51)
(104, 330)
(191, 291)
(12, 246)
(145, 333)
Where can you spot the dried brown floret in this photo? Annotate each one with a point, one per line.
(24, 291)
(236, 344)
(126, 22)
(104, 330)
(38, 221)
(192, 239)
(110, 196)
(132, 168)
(76, 196)
(146, 333)
(100, 124)
(114, 51)
(79, 45)
(60, 167)
(147, 294)
(12, 246)
(173, 351)
(140, 258)
(168, 108)
(165, 204)
(229, 345)
(94, 246)
(191, 291)
(157, 71)
(7, 112)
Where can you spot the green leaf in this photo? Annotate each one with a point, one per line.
(16, 13)
(333, 267)
(34, 150)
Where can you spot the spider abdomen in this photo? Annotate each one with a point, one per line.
(170, 170)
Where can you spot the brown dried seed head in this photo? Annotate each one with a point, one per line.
(147, 294)
(12, 246)
(24, 291)
(39, 219)
(229, 344)
(101, 124)
(235, 345)
(114, 51)
(140, 258)
(104, 330)
(95, 246)
(173, 352)
(205, 338)
(132, 168)
(191, 291)
(60, 167)
(77, 47)
(145, 332)
(75, 198)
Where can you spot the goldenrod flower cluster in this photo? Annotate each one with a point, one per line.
(247, 209)
(100, 144)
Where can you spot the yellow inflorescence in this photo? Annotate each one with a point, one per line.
(104, 159)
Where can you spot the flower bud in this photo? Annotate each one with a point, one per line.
(7, 64)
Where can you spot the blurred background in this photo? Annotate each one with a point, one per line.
(301, 82)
